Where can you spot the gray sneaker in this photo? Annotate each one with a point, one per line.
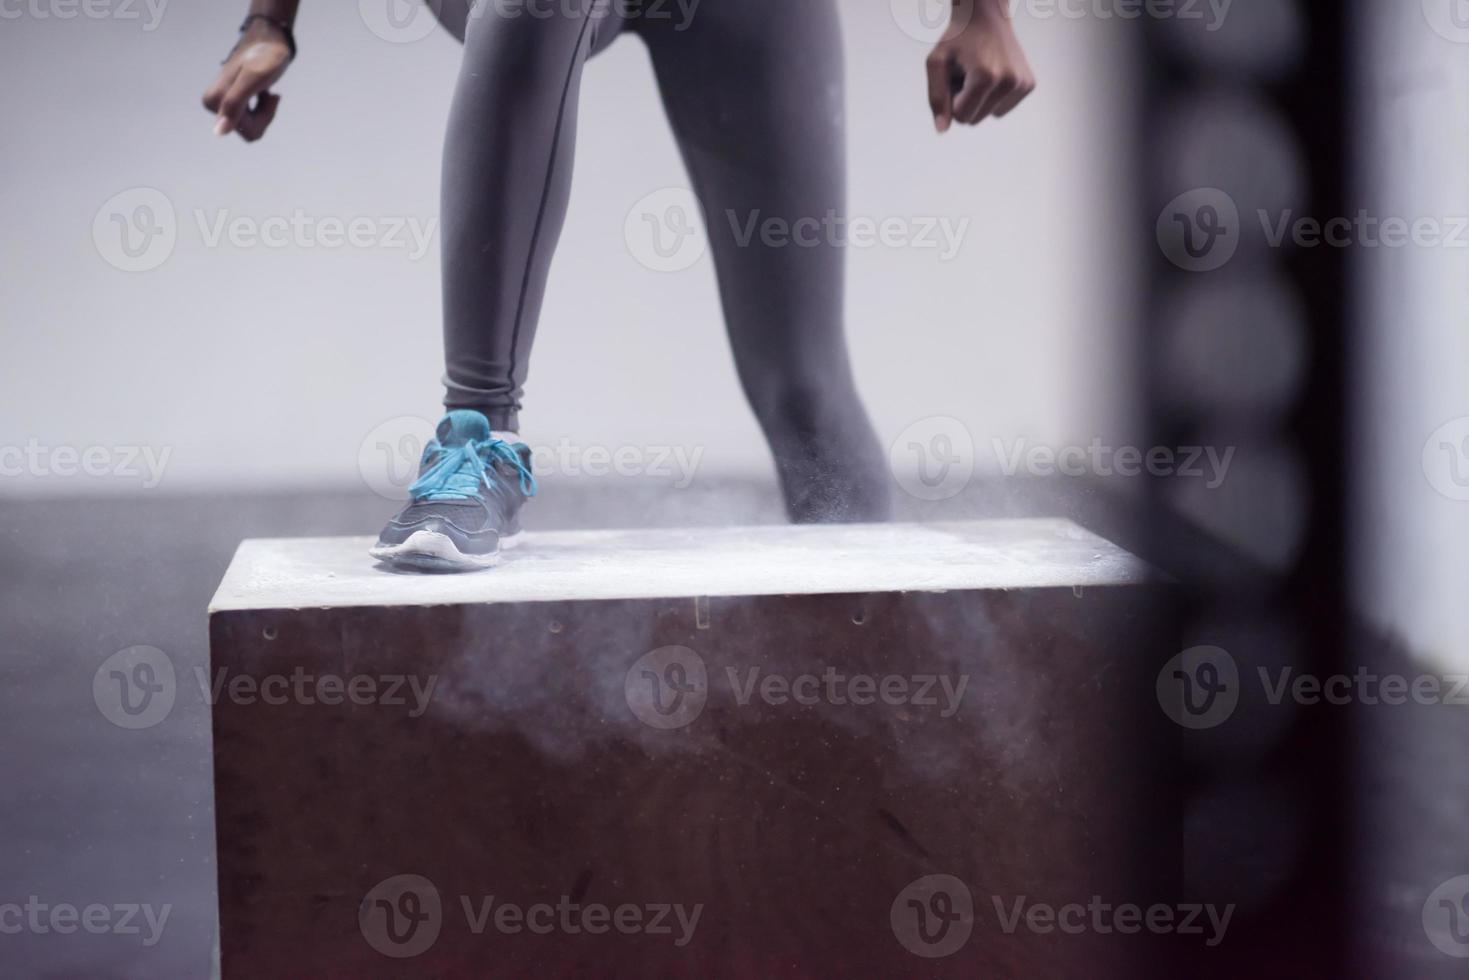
(464, 509)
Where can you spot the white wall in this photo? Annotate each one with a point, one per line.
(1413, 378)
(261, 367)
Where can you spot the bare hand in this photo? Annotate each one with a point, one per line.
(978, 70)
(240, 97)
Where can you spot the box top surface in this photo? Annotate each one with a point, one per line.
(673, 563)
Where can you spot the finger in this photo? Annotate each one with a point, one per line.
(254, 123)
(1002, 90)
(978, 91)
(236, 101)
(940, 92)
(214, 94)
(1016, 97)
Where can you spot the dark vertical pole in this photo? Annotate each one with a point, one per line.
(1287, 805)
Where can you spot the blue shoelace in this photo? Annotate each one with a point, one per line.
(461, 471)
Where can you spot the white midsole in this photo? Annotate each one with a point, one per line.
(432, 544)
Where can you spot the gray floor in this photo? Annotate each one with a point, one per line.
(94, 814)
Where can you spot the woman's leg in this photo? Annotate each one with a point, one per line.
(506, 180)
(755, 92)
(507, 175)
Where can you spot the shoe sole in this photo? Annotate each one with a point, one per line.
(430, 551)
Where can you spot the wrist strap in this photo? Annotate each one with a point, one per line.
(275, 22)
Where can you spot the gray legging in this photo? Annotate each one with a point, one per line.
(754, 91)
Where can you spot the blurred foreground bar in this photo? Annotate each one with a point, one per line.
(775, 751)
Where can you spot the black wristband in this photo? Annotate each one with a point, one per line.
(275, 22)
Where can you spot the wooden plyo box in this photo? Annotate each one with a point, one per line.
(765, 752)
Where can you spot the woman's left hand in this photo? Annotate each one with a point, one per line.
(978, 70)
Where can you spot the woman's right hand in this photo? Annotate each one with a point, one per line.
(252, 68)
